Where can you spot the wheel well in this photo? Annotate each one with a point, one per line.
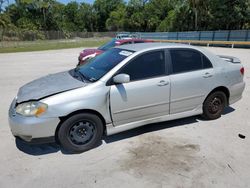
(224, 90)
(63, 118)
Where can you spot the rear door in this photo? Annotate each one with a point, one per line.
(191, 79)
(146, 95)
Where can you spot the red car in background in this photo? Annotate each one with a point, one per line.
(90, 53)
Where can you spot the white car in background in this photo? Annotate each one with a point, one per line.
(122, 36)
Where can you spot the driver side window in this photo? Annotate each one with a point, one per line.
(148, 65)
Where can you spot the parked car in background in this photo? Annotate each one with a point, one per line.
(121, 36)
(90, 53)
(123, 88)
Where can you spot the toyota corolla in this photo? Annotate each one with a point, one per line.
(123, 88)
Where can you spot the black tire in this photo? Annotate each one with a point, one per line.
(80, 132)
(214, 105)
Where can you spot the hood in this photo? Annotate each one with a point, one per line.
(48, 85)
(88, 52)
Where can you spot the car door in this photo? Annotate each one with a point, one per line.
(147, 93)
(191, 78)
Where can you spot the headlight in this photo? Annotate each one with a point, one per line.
(32, 108)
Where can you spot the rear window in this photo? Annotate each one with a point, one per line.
(185, 60)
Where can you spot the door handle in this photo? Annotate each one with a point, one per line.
(163, 83)
(207, 75)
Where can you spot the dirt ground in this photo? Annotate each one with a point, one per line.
(183, 153)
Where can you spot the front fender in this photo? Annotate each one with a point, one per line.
(93, 97)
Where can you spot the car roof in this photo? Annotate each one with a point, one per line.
(153, 45)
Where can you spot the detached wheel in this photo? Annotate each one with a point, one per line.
(80, 132)
(214, 105)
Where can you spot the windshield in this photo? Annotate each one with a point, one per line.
(97, 67)
(108, 45)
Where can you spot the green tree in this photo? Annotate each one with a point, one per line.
(70, 16)
(226, 14)
(116, 20)
(136, 19)
(168, 23)
(155, 12)
(86, 18)
(39, 7)
(5, 21)
(135, 15)
(103, 8)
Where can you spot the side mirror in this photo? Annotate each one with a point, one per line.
(121, 78)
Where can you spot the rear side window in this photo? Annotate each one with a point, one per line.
(206, 62)
(151, 64)
(185, 60)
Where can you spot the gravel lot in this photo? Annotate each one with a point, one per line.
(182, 153)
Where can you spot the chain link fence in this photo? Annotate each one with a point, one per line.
(7, 35)
(27, 39)
(227, 35)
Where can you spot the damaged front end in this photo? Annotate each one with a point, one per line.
(26, 110)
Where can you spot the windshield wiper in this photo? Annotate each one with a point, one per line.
(80, 75)
(92, 79)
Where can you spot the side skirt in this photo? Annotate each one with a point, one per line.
(111, 129)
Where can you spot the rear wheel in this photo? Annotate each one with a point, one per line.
(214, 105)
(80, 132)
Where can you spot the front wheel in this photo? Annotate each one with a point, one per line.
(80, 132)
(214, 105)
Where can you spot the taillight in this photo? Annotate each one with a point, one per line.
(242, 70)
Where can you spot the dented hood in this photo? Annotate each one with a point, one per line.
(48, 85)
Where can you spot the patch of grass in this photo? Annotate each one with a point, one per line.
(27, 46)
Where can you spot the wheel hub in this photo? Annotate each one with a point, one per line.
(215, 105)
(81, 132)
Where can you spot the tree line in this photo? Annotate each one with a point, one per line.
(118, 15)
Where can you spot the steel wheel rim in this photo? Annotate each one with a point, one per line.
(82, 132)
(215, 105)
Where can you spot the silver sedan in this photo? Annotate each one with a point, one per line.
(123, 88)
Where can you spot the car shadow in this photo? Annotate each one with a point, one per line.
(228, 110)
(44, 149)
(150, 128)
(37, 149)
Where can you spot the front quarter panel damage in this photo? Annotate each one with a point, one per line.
(92, 97)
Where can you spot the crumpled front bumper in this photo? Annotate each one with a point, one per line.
(31, 128)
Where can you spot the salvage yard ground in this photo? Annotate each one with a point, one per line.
(183, 153)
